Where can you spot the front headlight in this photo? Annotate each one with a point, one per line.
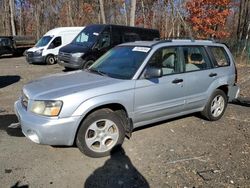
(39, 52)
(46, 108)
(77, 54)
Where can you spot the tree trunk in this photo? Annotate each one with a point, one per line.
(102, 11)
(125, 13)
(132, 13)
(13, 29)
(38, 20)
(244, 13)
(143, 14)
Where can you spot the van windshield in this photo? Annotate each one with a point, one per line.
(120, 62)
(88, 36)
(44, 41)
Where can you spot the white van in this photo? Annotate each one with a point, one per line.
(47, 48)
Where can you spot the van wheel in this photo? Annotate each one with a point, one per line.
(216, 106)
(50, 60)
(100, 133)
(88, 63)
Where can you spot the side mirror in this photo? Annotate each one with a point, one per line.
(153, 72)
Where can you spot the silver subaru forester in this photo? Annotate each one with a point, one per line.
(132, 85)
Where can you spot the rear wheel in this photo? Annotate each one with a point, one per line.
(50, 60)
(100, 133)
(216, 106)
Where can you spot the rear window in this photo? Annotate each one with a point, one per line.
(220, 56)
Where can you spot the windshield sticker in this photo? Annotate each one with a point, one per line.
(96, 34)
(141, 49)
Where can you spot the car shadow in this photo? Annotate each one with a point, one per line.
(9, 56)
(118, 171)
(19, 186)
(8, 80)
(242, 101)
(7, 120)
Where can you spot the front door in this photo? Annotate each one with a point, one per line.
(157, 98)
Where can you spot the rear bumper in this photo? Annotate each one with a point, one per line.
(233, 93)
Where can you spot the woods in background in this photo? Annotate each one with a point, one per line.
(228, 20)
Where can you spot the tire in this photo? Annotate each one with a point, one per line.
(50, 60)
(88, 63)
(66, 69)
(215, 106)
(100, 133)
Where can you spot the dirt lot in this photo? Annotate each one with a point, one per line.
(184, 152)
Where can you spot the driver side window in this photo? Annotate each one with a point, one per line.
(104, 40)
(167, 60)
(55, 43)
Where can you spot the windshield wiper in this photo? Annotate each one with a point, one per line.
(97, 71)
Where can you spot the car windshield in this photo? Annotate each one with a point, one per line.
(88, 36)
(44, 41)
(120, 62)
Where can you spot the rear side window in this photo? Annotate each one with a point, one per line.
(220, 56)
(131, 37)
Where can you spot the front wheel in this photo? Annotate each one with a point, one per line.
(216, 106)
(50, 60)
(100, 133)
(88, 63)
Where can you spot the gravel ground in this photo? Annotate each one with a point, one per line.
(182, 152)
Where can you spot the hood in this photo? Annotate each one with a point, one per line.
(59, 85)
(33, 49)
(73, 48)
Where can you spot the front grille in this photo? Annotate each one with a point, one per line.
(63, 56)
(24, 100)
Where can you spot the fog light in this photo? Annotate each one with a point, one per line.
(33, 136)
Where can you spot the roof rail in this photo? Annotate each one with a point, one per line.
(183, 40)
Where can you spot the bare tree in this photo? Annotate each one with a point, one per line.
(102, 11)
(132, 13)
(244, 19)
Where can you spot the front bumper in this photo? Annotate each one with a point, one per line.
(35, 59)
(71, 64)
(69, 61)
(49, 130)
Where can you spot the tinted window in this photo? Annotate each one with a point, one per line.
(44, 41)
(56, 42)
(120, 62)
(167, 59)
(195, 58)
(104, 40)
(221, 58)
(5, 42)
(130, 37)
(88, 36)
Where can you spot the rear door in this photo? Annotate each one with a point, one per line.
(199, 75)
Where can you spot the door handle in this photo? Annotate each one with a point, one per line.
(177, 80)
(212, 74)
